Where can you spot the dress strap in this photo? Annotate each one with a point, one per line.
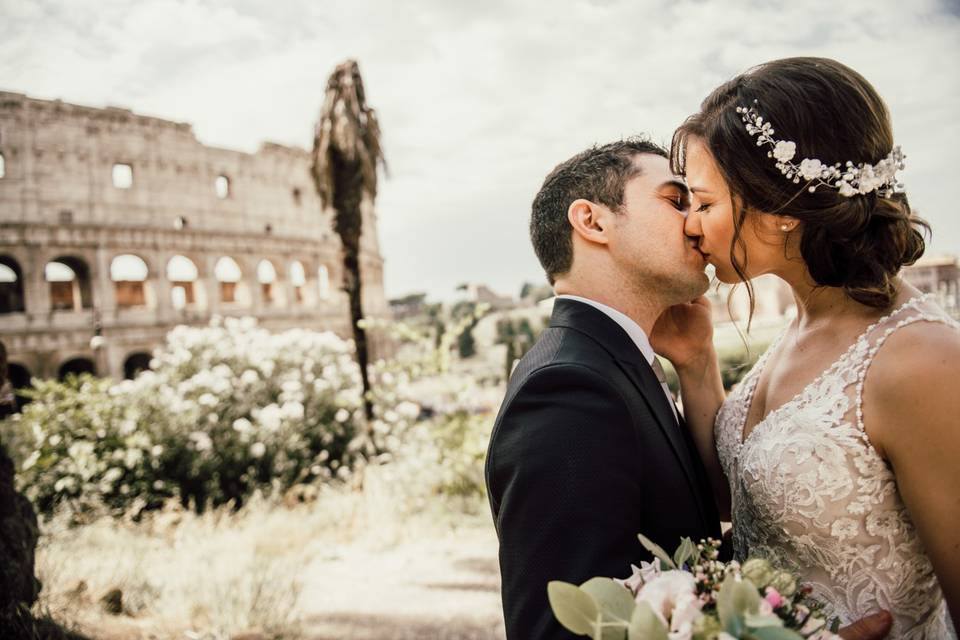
(906, 315)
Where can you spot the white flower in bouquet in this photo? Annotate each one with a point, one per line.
(672, 596)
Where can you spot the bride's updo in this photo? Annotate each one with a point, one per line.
(858, 243)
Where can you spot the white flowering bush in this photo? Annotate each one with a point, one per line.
(75, 443)
(224, 410)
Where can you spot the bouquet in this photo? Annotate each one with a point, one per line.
(692, 596)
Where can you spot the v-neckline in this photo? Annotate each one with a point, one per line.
(761, 366)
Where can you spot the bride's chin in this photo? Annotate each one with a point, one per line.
(726, 276)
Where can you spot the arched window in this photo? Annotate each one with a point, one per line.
(19, 379)
(266, 276)
(135, 363)
(122, 176)
(129, 272)
(298, 278)
(222, 186)
(182, 274)
(228, 274)
(3, 166)
(323, 282)
(76, 366)
(11, 286)
(70, 287)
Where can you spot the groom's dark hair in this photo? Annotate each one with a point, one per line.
(599, 175)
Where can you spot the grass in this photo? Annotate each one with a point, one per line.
(219, 574)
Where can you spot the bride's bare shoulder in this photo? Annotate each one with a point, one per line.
(910, 389)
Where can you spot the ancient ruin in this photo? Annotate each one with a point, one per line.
(115, 227)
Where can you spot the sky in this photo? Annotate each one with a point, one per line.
(479, 100)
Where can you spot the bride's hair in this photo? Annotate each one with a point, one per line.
(833, 114)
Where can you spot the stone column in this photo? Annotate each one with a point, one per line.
(210, 284)
(36, 290)
(161, 286)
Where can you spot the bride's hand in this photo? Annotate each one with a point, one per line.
(683, 334)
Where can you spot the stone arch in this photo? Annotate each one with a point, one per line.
(298, 282)
(76, 366)
(271, 291)
(186, 287)
(20, 378)
(11, 286)
(233, 290)
(130, 273)
(135, 363)
(68, 278)
(323, 282)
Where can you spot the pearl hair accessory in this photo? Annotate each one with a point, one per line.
(850, 179)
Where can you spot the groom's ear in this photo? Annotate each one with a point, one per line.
(589, 220)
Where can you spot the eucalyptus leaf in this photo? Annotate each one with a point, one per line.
(645, 625)
(756, 620)
(615, 600)
(686, 552)
(575, 609)
(736, 599)
(657, 551)
(775, 633)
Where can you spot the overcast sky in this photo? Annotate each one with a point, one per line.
(479, 100)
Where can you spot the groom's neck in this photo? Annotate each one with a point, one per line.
(642, 307)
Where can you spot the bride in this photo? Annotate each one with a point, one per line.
(839, 453)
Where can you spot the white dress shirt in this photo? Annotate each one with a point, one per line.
(636, 333)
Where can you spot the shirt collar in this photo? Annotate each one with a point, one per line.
(627, 323)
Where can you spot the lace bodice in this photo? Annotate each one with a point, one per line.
(811, 493)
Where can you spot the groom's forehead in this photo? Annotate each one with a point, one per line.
(654, 174)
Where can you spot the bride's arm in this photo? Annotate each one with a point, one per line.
(684, 335)
(911, 409)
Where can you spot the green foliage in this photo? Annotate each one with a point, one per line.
(518, 335)
(461, 439)
(225, 410)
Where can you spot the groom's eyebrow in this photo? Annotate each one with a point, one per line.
(680, 186)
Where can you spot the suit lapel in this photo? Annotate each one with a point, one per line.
(647, 384)
(597, 325)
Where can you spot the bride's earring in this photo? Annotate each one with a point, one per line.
(784, 227)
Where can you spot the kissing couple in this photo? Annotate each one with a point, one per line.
(837, 457)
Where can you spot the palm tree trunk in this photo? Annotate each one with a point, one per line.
(349, 226)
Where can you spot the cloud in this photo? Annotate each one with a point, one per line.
(478, 101)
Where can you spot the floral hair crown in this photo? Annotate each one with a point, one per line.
(850, 179)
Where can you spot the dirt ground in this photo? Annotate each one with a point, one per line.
(440, 587)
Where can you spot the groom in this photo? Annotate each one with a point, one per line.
(589, 449)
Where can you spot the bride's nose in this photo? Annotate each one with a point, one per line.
(691, 225)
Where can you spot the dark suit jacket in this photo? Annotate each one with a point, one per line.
(585, 454)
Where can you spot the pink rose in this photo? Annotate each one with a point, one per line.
(773, 597)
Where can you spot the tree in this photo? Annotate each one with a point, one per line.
(346, 155)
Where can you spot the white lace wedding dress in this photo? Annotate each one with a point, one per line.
(810, 492)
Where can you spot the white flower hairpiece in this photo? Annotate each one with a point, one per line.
(850, 179)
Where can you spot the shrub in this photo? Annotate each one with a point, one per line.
(224, 410)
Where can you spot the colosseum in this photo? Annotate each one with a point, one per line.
(115, 227)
